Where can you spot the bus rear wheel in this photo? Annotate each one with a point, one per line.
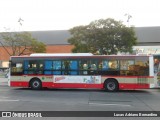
(111, 85)
(36, 84)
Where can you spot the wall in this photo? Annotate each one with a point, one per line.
(59, 48)
(4, 56)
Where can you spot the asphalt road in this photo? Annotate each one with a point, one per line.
(78, 100)
(23, 99)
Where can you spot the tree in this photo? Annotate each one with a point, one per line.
(79, 39)
(21, 43)
(104, 36)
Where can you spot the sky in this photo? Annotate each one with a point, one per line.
(38, 15)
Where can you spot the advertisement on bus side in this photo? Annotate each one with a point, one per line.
(77, 79)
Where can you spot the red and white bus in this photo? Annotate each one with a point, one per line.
(108, 72)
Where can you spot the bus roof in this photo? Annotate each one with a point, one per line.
(74, 55)
(61, 54)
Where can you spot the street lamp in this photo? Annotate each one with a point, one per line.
(128, 18)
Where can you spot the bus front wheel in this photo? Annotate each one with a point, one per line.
(111, 85)
(36, 84)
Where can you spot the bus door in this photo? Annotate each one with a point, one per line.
(157, 70)
(142, 80)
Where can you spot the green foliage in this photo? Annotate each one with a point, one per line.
(79, 39)
(37, 47)
(104, 36)
(22, 43)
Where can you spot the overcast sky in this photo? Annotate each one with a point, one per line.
(65, 14)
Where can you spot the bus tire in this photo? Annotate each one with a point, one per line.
(111, 85)
(35, 84)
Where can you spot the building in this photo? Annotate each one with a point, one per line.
(148, 40)
(56, 41)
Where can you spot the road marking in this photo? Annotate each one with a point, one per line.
(4, 97)
(110, 104)
(5, 100)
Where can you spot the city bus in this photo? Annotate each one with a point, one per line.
(82, 70)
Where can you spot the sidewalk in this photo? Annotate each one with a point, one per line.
(3, 81)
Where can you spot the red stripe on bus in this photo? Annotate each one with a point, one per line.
(19, 84)
(79, 85)
(133, 86)
(128, 76)
(71, 85)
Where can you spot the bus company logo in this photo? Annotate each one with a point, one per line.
(59, 78)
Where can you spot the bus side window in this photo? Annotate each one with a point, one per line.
(105, 65)
(93, 66)
(48, 67)
(30, 67)
(74, 67)
(56, 67)
(127, 67)
(40, 67)
(142, 68)
(113, 64)
(65, 67)
(85, 69)
(17, 68)
(26, 65)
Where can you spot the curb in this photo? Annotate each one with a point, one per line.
(3, 83)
